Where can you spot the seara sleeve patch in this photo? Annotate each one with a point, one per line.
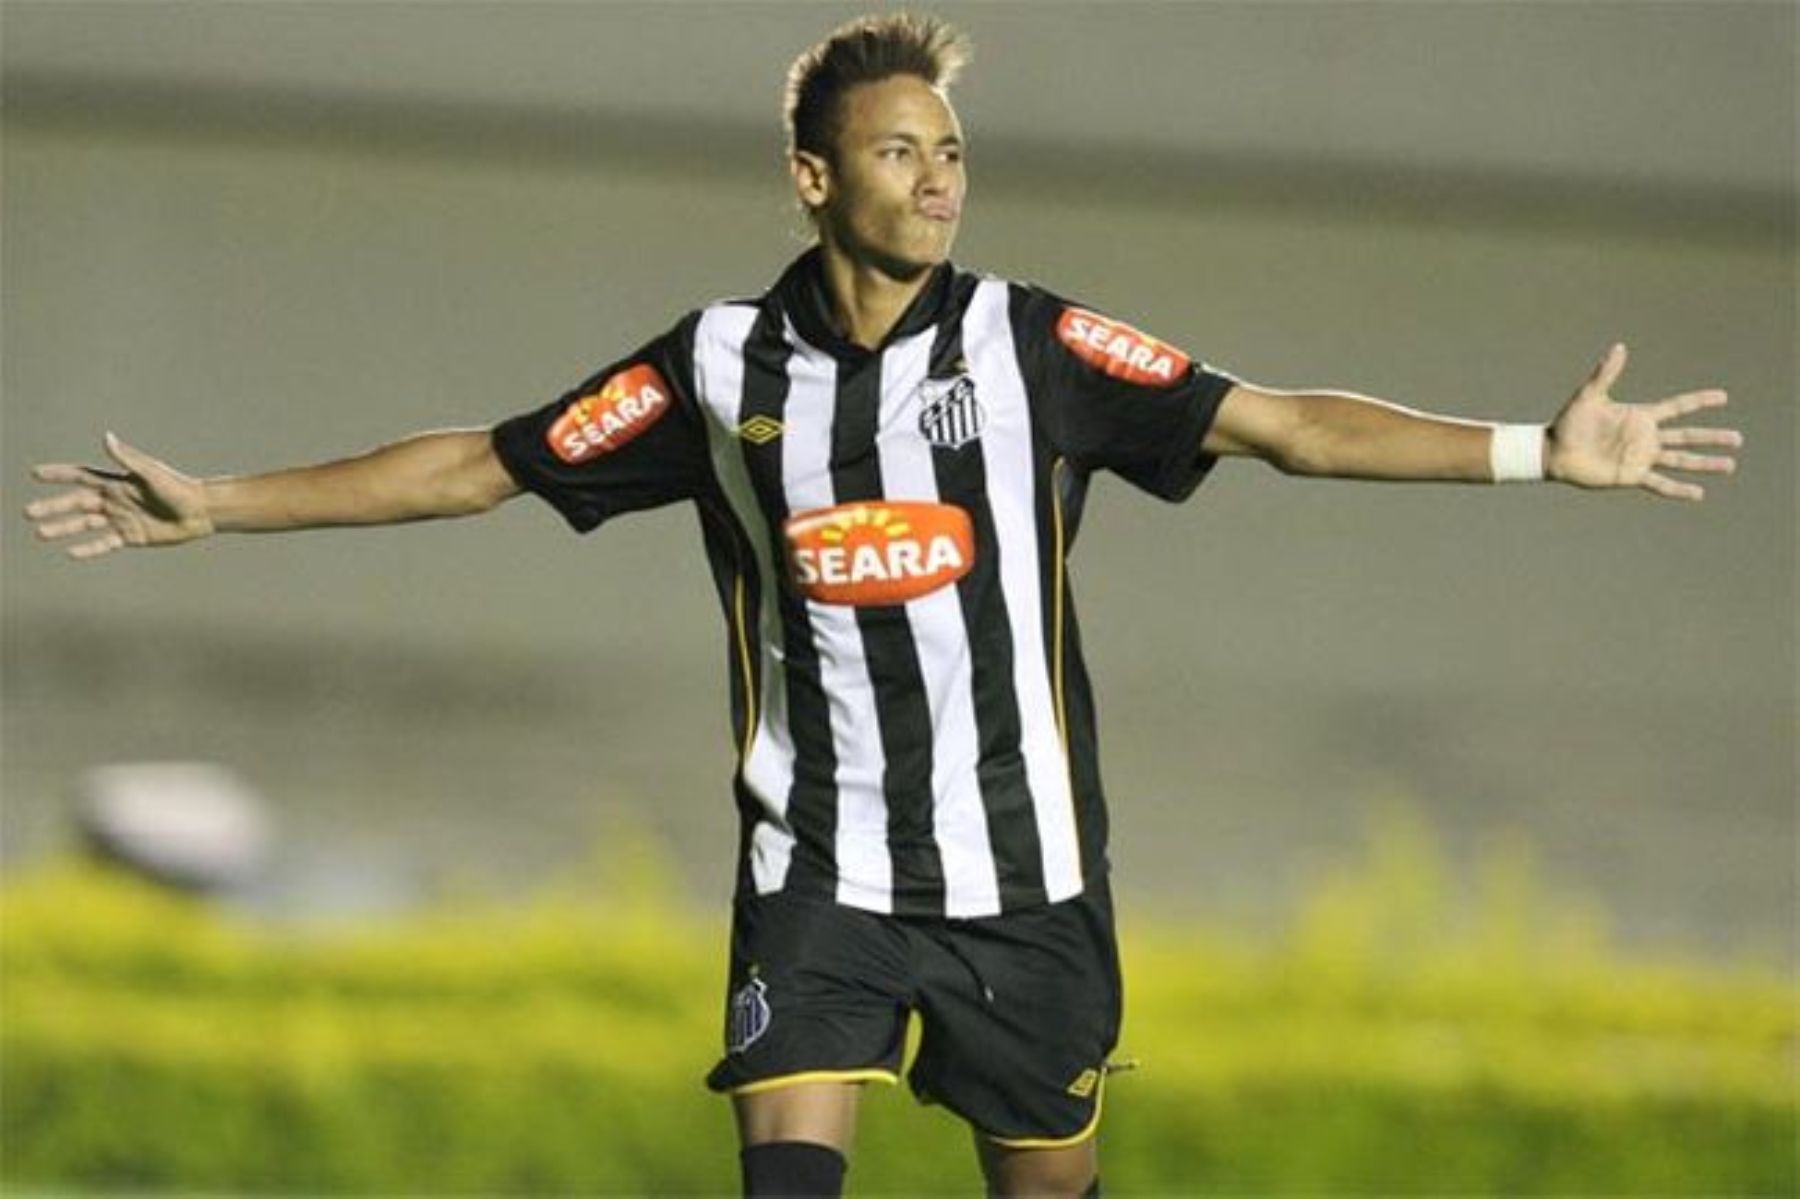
(1120, 351)
(602, 420)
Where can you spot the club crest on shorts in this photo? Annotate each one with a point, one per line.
(750, 1016)
(950, 416)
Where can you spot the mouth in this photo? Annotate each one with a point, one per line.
(939, 211)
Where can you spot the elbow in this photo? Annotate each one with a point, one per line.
(1303, 454)
(437, 476)
(1290, 464)
(1283, 429)
(476, 496)
(478, 481)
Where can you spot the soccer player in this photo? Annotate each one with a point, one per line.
(889, 457)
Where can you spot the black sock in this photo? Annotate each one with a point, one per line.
(792, 1170)
(1093, 1191)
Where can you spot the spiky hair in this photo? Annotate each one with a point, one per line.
(866, 50)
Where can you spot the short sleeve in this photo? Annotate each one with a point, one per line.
(626, 439)
(1113, 397)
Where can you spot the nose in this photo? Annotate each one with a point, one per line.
(938, 177)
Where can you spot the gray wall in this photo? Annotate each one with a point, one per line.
(242, 283)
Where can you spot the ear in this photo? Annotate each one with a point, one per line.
(812, 179)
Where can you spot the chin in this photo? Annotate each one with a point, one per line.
(910, 266)
(933, 252)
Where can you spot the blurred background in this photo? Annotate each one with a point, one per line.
(248, 235)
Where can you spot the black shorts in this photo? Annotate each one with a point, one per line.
(1018, 1011)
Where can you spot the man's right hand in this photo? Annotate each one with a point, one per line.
(145, 503)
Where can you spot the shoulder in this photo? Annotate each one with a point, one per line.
(722, 324)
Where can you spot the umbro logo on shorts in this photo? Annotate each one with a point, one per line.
(1084, 1083)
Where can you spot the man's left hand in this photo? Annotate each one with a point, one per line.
(1596, 441)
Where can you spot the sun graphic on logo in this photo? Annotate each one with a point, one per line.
(610, 393)
(874, 520)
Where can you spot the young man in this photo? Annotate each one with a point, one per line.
(889, 458)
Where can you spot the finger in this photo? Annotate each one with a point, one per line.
(61, 505)
(94, 549)
(68, 472)
(1612, 365)
(57, 472)
(56, 530)
(1729, 438)
(1670, 489)
(129, 457)
(1716, 464)
(1688, 402)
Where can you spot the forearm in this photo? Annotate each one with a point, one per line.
(1356, 437)
(1341, 435)
(425, 477)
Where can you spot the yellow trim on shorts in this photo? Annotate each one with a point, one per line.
(1085, 1134)
(805, 1076)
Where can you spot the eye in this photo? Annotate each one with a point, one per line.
(896, 153)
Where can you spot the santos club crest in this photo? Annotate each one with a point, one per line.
(951, 416)
(750, 1015)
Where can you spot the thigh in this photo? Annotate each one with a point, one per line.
(823, 1113)
(1020, 1012)
(816, 1000)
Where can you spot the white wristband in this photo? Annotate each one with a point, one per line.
(1516, 454)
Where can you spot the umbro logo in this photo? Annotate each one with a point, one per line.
(760, 430)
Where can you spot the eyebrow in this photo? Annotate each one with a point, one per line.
(949, 139)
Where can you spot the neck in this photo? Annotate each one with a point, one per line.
(866, 300)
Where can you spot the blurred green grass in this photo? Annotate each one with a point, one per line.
(1398, 1040)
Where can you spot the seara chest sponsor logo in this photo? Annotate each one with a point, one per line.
(1119, 350)
(601, 421)
(879, 551)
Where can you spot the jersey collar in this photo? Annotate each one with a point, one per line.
(802, 294)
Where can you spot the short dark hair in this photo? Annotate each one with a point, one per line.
(866, 50)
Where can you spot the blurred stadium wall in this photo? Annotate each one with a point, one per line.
(248, 235)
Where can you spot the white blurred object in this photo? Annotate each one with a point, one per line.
(191, 824)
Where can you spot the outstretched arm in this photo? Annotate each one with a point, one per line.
(149, 503)
(1594, 441)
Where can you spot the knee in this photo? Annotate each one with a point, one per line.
(1042, 1174)
(1069, 1185)
(1072, 1187)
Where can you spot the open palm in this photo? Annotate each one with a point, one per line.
(145, 503)
(1596, 441)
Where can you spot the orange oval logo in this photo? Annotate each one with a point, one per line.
(602, 421)
(878, 551)
(1119, 350)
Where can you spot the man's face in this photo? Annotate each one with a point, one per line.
(893, 195)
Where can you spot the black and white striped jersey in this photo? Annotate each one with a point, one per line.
(888, 532)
